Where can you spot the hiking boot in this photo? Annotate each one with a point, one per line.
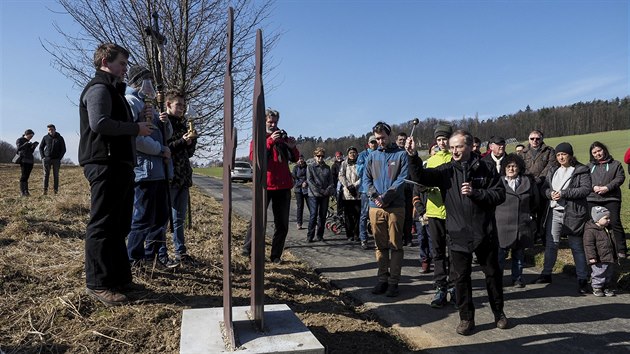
(166, 263)
(108, 297)
(439, 299)
(608, 292)
(465, 327)
(598, 292)
(543, 279)
(425, 267)
(187, 260)
(365, 245)
(582, 286)
(501, 321)
(452, 296)
(392, 290)
(380, 288)
(519, 283)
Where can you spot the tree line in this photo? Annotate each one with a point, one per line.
(576, 119)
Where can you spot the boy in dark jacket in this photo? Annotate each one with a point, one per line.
(600, 251)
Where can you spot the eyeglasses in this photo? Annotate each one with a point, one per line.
(534, 138)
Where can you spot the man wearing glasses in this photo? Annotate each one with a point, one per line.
(385, 171)
(539, 158)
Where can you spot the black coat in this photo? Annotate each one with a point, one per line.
(515, 223)
(470, 219)
(576, 210)
(52, 147)
(25, 148)
(599, 243)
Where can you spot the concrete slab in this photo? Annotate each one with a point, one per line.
(201, 332)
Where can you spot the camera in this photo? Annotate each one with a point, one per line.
(283, 134)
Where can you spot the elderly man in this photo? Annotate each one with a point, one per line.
(496, 145)
(472, 189)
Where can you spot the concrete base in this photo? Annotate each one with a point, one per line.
(284, 333)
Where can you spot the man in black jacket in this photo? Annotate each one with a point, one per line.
(471, 190)
(107, 154)
(51, 150)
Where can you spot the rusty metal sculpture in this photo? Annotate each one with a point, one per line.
(259, 211)
(229, 150)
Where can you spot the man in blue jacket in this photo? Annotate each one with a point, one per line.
(385, 171)
(150, 205)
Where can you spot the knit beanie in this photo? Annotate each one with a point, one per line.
(565, 147)
(136, 74)
(443, 130)
(351, 148)
(599, 212)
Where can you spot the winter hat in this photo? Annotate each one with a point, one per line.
(351, 148)
(497, 140)
(443, 130)
(372, 138)
(136, 74)
(599, 212)
(565, 147)
(338, 153)
(29, 131)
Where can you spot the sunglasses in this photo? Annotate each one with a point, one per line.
(319, 155)
(534, 138)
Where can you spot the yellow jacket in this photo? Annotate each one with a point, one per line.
(435, 204)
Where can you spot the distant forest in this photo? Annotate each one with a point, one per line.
(576, 119)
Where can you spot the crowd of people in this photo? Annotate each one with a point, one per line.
(468, 207)
(464, 206)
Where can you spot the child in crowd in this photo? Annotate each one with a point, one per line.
(601, 254)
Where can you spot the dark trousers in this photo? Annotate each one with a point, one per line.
(615, 223)
(54, 164)
(26, 169)
(300, 200)
(437, 232)
(148, 223)
(280, 205)
(407, 236)
(319, 208)
(461, 269)
(106, 262)
(352, 212)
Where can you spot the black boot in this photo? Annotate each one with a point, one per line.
(582, 287)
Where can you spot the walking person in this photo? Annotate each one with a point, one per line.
(385, 172)
(365, 202)
(515, 222)
(25, 149)
(350, 181)
(601, 252)
(107, 153)
(280, 151)
(320, 189)
(153, 167)
(472, 190)
(300, 190)
(607, 176)
(52, 149)
(567, 187)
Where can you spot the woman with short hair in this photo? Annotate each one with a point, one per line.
(25, 149)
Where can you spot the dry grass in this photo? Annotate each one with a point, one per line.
(43, 306)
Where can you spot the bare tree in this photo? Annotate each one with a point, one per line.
(194, 52)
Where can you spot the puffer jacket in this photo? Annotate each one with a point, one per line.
(435, 198)
(599, 243)
(538, 166)
(348, 176)
(608, 173)
(574, 196)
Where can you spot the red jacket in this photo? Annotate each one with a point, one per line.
(278, 173)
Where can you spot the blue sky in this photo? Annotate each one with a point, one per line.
(343, 65)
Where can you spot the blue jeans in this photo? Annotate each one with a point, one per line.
(149, 219)
(363, 219)
(424, 241)
(300, 198)
(319, 208)
(554, 231)
(179, 207)
(518, 260)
